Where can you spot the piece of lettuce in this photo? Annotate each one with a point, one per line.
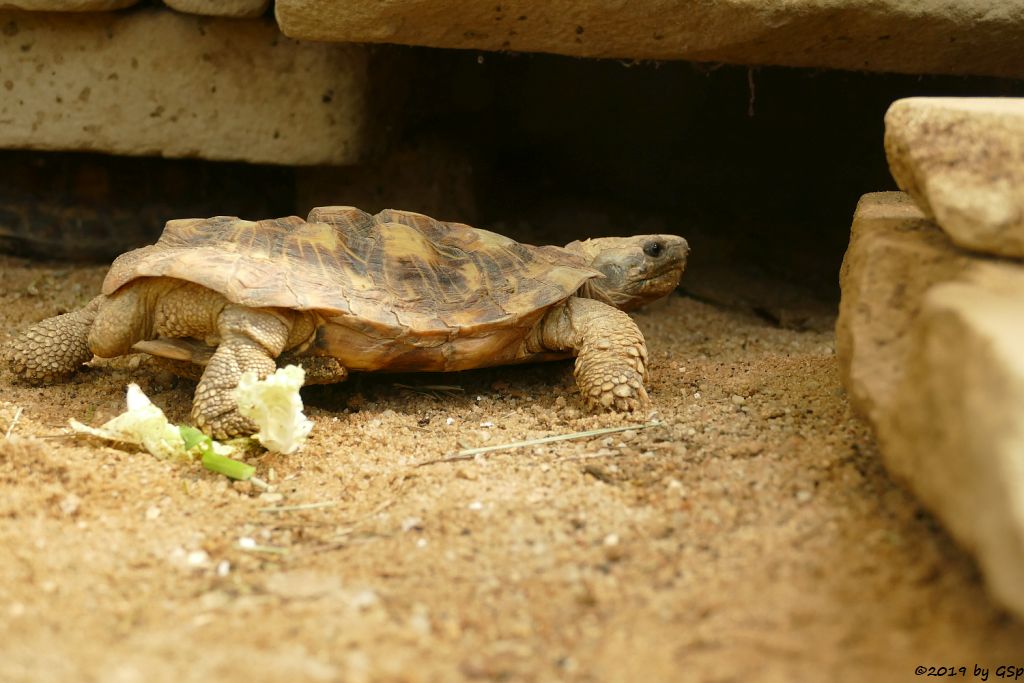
(275, 406)
(144, 425)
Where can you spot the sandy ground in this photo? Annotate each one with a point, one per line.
(754, 536)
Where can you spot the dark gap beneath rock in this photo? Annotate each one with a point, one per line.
(759, 168)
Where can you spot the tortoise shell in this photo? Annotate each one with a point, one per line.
(397, 273)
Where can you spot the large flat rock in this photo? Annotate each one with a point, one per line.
(895, 256)
(962, 160)
(66, 5)
(954, 433)
(929, 340)
(152, 82)
(909, 36)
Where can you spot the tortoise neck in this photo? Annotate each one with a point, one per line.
(588, 290)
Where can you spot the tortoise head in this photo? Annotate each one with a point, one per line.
(637, 270)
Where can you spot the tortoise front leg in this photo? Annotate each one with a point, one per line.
(188, 357)
(611, 355)
(250, 340)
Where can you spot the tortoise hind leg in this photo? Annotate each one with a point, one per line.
(318, 369)
(55, 348)
(611, 355)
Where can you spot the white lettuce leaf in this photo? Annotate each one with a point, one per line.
(275, 406)
(143, 424)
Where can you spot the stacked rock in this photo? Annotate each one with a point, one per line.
(151, 81)
(931, 326)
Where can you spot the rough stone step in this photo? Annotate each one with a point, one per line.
(156, 82)
(928, 341)
(962, 160)
(895, 255)
(908, 36)
(221, 8)
(954, 434)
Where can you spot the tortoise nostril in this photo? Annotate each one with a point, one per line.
(653, 249)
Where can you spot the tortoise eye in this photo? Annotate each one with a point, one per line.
(653, 249)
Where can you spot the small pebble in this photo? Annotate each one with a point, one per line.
(197, 558)
(803, 496)
(152, 513)
(271, 497)
(476, 505)
(738, 400)
(70, 504)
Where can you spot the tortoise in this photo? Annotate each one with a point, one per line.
(349, 291)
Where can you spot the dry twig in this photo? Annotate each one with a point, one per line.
(470, 453)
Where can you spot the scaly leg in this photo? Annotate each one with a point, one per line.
(188, 357)
(250, 341)
(611, 355)
(55, 348)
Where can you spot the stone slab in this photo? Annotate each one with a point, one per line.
(962, 160)
(221, 8)
(153, 82)
(66, 5)
(895, 256)
(955, 433)
(908, 36)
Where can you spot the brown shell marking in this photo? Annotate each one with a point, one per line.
(396, 273)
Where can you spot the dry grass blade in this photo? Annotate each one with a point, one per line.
(470, 453)
(14, 421)
(267, 549)
(303, 506)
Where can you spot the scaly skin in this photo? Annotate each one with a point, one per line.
(55, 348)
(611, 355)
(250, 340)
